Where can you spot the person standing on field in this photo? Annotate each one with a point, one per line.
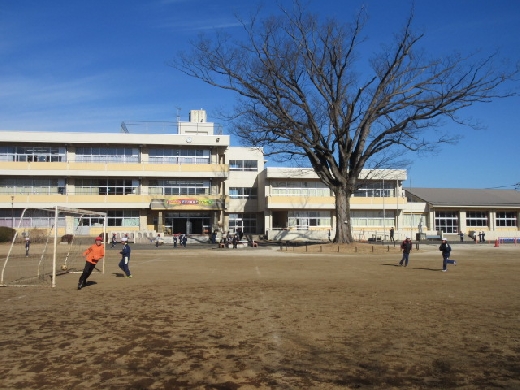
(27, 246)
(406, 247)
(392, 234)
(93, 254)
(125, 257)
(445, 248)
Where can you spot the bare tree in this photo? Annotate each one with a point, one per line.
(302, 94)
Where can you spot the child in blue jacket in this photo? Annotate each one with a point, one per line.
(445, 248)
(125, 257)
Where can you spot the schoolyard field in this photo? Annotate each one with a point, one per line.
(318, 317)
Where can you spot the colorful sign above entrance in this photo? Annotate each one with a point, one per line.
(179, 203)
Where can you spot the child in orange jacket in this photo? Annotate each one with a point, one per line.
(93, 254)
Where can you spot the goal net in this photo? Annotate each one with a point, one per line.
(47, 243)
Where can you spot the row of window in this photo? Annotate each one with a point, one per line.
(128, 186)
(448, 221)
(299, 188)
(305, 219)
(317, 188)
(445, 221)
(179, 187)
(114, 218)
(375, 190)
(86, 186)
(372, 218)
(247, 222)
(95, 154)
(45, 220)
(33, 153)
(243, 165)
(104, 187)
(178, 156)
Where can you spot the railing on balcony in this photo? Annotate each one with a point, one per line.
(178, 160)
(31, 190)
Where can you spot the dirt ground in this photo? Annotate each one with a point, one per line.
(260, 318)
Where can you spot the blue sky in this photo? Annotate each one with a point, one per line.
(68, 65)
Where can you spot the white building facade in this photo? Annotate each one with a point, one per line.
(190, 180)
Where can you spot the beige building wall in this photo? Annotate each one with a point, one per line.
(281, 206)
(244, 179)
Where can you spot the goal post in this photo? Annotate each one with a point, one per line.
(46, 237)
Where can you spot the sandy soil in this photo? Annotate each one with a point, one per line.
(261, 318)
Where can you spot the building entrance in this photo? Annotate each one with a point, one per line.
(188, 223)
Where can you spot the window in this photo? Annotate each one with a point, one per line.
(242, 193)
(298, 188)
(40, 186)
(372, 218)
(244, 221)
(476, 218)
(506, 218)
(236, 165)
(250, 165)
(33, 153)
(123, 218)
(88, 221)
(107, 154)
(305, 219)
(447, 221)
(8, 153)
(243, 165)
(179, 187)
(411, 220)
(104, 187)
(178, 156)
(34, 219)
(114, 218)
(375, 189)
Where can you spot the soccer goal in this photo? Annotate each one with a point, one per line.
(48, 243)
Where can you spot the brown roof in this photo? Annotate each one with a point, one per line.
(459, 197)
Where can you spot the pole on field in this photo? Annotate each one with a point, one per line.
(55, 247)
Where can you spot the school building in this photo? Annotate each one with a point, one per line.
(188, 179)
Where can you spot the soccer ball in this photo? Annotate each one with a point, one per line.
(64, 267)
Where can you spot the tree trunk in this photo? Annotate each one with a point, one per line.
(343, 222)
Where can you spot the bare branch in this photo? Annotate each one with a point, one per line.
(304, 96)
